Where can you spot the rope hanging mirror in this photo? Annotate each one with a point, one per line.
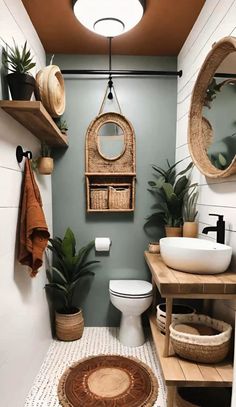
(110, 158)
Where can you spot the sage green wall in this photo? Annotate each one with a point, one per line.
(150, 105)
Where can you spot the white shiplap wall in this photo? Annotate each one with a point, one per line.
(216, 20)
(24, 318)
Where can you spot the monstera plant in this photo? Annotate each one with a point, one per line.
(64, 277)
(169, 189)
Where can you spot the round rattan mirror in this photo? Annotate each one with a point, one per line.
(201, 131)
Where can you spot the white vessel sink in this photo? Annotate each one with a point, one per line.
(192, 255)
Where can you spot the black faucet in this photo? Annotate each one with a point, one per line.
(219, 228)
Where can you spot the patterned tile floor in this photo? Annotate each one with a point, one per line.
(94, 341)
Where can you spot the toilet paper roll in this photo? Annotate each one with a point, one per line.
(102, 244)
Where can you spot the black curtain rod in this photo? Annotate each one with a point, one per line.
(225, 75)
(120, 72)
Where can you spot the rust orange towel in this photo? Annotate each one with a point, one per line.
(34, 233)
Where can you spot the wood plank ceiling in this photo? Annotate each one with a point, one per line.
(162, 30)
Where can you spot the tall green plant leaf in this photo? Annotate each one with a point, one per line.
(180, 185)
(68, 244)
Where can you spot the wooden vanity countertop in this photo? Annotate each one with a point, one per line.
(177, 284)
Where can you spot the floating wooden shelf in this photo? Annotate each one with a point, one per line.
(34, 117)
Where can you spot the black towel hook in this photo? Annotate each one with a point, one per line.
(20, 153)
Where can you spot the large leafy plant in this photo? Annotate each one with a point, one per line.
(17, 60)
(68, 268)
(169, 189)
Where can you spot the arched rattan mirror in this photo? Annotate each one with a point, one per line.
(210, 84)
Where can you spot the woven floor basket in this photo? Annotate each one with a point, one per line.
(201, 348)
(69, 327)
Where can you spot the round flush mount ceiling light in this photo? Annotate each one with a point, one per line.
(109, 17)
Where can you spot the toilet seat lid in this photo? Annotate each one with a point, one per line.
(130, 287)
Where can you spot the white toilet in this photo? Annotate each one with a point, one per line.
(132, 298)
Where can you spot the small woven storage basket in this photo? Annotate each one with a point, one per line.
(119, 198)
(178, 311)
(99, 198)
(201, 348)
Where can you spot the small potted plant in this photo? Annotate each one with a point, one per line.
(190, 227)
(45, 161)
(169, 190)
(19, 63)
(64, 277)
(62, 125)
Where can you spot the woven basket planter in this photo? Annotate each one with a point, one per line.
(201, 348)
(69, 327)
(119, 198)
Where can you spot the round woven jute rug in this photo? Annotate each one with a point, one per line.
(108, 381)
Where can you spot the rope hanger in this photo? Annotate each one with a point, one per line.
(110, 86)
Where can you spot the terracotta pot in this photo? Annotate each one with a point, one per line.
(21, 85)
(69, 327)
(190, 229)
(173, 231)
(45, 165)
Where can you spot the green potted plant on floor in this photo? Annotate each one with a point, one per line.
(190, 226)
(19, 62)
(64, 277)
(169, 189)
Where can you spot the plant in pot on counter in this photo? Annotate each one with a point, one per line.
(45, 161)
(19, 62)
(64, 276)
(169, 190)
(190, 227)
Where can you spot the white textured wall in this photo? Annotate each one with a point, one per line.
(24, 319)
(217, 20)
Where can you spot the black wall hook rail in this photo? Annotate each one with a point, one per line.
(124, 72)
(20, 153)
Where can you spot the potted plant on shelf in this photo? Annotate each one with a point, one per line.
(190, 226)
(169, 190)
(64, 277)
(62, 125)
(45, 161)
(19, 63)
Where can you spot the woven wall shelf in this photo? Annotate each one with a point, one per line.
(110, 182)
(200, 131)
